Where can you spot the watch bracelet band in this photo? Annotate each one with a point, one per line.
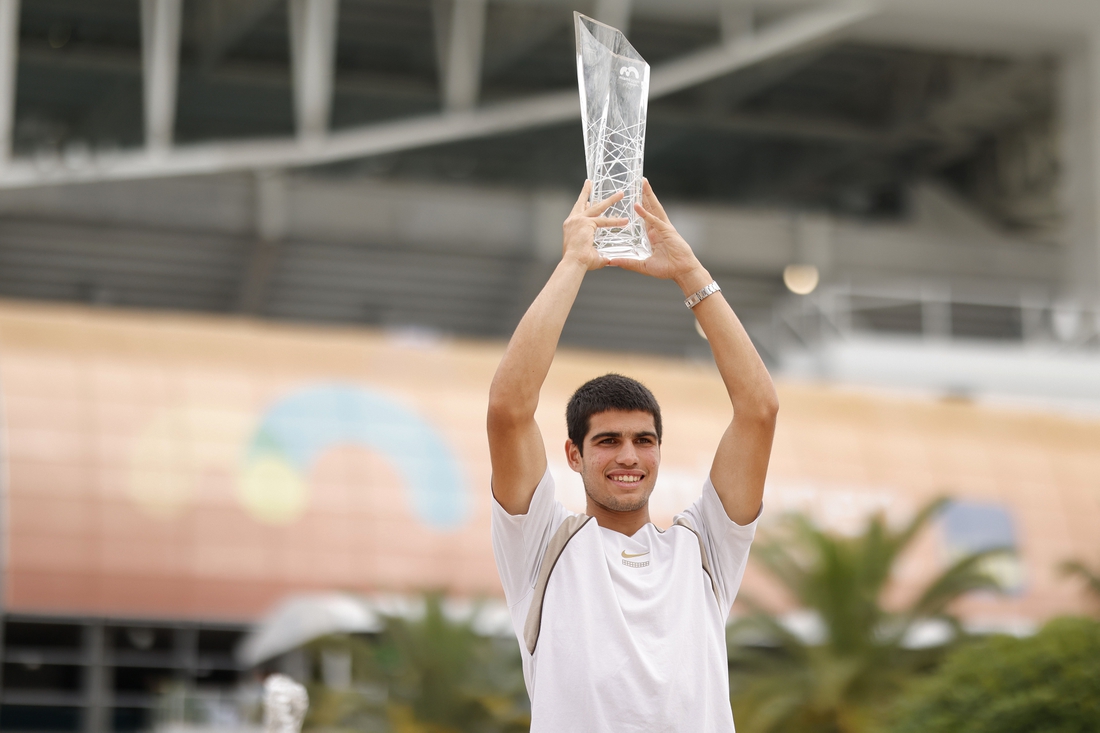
(694, 299)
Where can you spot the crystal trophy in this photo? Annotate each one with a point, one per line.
(614, 88)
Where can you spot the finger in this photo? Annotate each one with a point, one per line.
(582, 200)
(651, 201)
(650, 218)
(604, 205)
(627, 264)
(611, 221)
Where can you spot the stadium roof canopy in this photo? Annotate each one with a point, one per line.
(839, 110)
(820, 105)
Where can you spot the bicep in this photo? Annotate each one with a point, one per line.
(518, 458)
(741, 465)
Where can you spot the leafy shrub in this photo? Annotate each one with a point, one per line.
(1049, 683)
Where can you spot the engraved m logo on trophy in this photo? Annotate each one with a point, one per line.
(629, 71)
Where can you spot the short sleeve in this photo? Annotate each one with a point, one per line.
(520, 540)
(726, 542)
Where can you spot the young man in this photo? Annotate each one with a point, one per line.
(622, 625)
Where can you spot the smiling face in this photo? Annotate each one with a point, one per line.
(620, 458)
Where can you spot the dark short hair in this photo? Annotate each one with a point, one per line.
(609, 392)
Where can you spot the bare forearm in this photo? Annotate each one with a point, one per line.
(743, 372)
(530, 351)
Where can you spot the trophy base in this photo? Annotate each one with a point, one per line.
(624, 252)
(628, 243)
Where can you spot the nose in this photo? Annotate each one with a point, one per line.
(628, 456)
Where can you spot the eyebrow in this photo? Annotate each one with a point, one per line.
(613, 434)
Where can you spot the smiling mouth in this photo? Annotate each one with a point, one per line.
(627, 479)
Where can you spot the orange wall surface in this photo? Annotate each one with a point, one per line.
(162, 465)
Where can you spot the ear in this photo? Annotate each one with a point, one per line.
(573, 455)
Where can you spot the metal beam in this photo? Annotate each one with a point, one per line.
(463, 54)
(805, 29)
(799, 31)
(313, 61)
(615, 13)
(9, 47)
(232, 71)
(794, 127)
(160, 42)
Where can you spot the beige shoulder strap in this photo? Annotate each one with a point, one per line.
(565, 532)
(682, 521)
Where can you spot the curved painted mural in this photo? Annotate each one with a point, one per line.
(163, 466)
(295, 431)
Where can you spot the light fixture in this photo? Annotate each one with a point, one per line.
(801, 279)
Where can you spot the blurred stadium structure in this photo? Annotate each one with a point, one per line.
(406, 164)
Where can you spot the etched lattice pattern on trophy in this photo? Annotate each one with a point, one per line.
(620, 169)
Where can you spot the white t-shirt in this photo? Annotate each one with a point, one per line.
(633, 638)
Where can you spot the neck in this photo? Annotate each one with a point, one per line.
(627, 522)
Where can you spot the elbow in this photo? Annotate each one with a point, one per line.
(502, 415)
(770, 406)
(762, 410)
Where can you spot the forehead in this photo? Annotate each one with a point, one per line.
(621, 421)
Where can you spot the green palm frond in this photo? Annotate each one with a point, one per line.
(785, 684)
(1077, 568)
(964, 576)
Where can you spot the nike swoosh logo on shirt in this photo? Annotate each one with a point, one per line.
(637, 554)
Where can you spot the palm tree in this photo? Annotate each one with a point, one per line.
(1084, 572)
(429, 674)
(842, 682)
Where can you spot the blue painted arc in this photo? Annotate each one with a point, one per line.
(303, 425)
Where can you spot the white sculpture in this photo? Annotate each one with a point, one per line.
(285, 704)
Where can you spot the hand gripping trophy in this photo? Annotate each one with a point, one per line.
(614, 88)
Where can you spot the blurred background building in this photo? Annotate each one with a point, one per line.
(258, 259)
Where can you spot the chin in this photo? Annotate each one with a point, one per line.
(622, 503)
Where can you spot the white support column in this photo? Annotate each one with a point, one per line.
(615, 13)
(9, 48)
(1080, 117)
(313, 61)
(271, 215)
(462, 69)
(160, 39)
(160, 43)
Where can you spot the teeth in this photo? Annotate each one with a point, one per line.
(628, 479)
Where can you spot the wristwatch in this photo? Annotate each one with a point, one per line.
(694, 299)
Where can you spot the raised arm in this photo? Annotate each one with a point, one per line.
(515, 443)
(741, 462)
